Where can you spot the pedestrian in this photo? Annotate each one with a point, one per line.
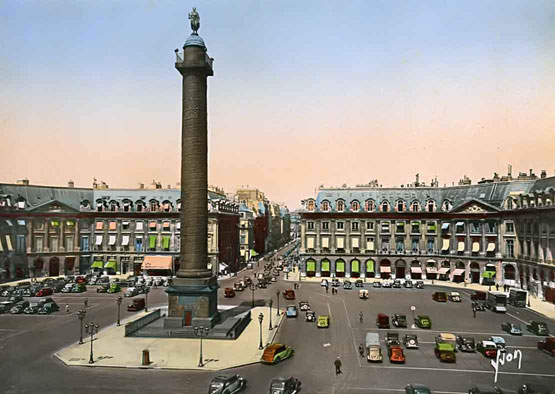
(86, 302)
(360, 316)
(327, 289)
(361, 350)
(497, 286)
(337, 364)
(67, 308)
(474, 311)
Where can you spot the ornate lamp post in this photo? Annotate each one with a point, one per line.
(119, 300)
(260, 318)
(147, 290)
(271, 302)
(91, 329)
(201, 331)
(252, 287)
(81, 315)
(412, 309)
(277, 297)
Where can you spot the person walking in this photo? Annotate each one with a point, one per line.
(361, 350)
(337, 364)
(327, 289)
(67, 308)
(474, 310)
(497, 287)
(360, 316)
(86, 302)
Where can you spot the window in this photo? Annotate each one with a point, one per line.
(69, 243)
(243, 239)
(153, 205)
(432, 227)
(340, 226)
(385, 245)
(355, 206)
(39, 245)
(475, 228)
(113, 206)
(139, 244)
(310, 205)
(510, 248)
(414, 245)
(20, 244)
(492, 227)
(53, 244)
(369, 205)
(140, 206)
(354, 226)
(310, 225)
(400, 245)
(370, 226)
(39, 225)
(166, 226)
(401, 206)
(510, 203)
(340, 206)
(430, 245)
(385, 227)
(415, 228)
(84, 244)
(431, 206)
(167, 206)
(152, 225)
(459, 228)
(99, 206)
(125, 225)
(447, 205)
(400, 227)
(325, 206)
(415, 206)
(385, 206)
(325, 226)
(510, 227)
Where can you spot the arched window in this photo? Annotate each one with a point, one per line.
(509, 203)
(100, 205)
(127, 205)
(446, 206)
(370, 206)
(140, 206)
(325, 206)
(430, 206)
(340, 206)
(401, 206)
(167, 206)
(178, 202)
(153, 204)
(415, 206)
(355, 206)
(85, 204)
(310, 205)
(385, 206)
(114, 205)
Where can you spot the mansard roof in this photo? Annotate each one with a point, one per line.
(39, 195)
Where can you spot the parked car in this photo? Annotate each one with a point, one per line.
(466, 344)
(229, 292)
(484, 389)
(382, 320)
(419, 284)
(373, 348)
(387, 284)
(480, 306)
(399, 320)
(499, 342)
(335, 282)
(289, 294)
(304, 306)
(280, 385)
(439, 296)
(392, 339)
(310, 316)
(454, 296)
(58, 286)
(547, 346)
(79, 287)
(19, 307)
(347, 285)
(538, 328)
(511, 328)
(445, 352)
(359, 283)
(408, 284)
(6, 292)
(410, 341)
(137, 304)
(478, 296)
(323, 321)
(103, 288)
(487, 348)
(363, 294)
(446, 337)
(396, 354)
(238, 286)
(291, 311)
(261, 284)
(227, 384)
(276, 352)
(377, 285)
(33, 308)
(423, 321)
(417, 389)
(397, 284)
(48, 308)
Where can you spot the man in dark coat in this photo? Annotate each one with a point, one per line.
(337, 364)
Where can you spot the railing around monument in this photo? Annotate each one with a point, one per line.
(179, 58)
(136, 325)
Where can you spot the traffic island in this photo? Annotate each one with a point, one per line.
(111, 348)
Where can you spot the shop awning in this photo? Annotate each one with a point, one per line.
(125, 223)
(152, 241)
(138, 226)
(444, 226)
(443, 270)
(385, 268)
(1, 247)
(310, 266)
(310, 242)
(339, 266)
(125, 240)
(475, 247)
(354, 242)
(112, 226)
(325, 266)
(99, 225)
(460, 246)
(445, 245)
(431, 270)
(370, 245)
(21, 222)
(491, 246)
(432, 227)
(431, 261)
(55, 223)
(112, 240)
(488, 274)
(166, 242)
(98, 264)
(98, 240)
(458, 271)
(369, 265)
(152, 225)
(178, 226)
(355, 266)
(111, 264)
(340, 242)
(416, 270)
(325, 242)
(401, 224)
(70, 223)
(157, 263)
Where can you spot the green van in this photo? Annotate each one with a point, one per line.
(114, 288)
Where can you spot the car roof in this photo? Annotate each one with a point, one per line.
(454, 293)
(496, 338)
(488, 343)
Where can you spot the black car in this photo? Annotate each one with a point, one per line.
(347, 285)
(466, 344)
(479, 306)
(534, 389)
(397, 284)
(359, 283)
(289, 385)
(410, 341)
(408, 284)
(335, 283)
(485, 389)
(227, 384)
(419, 284)
(399, 320)
(417, 389)
(392, 339)
(377, 284)
(538, 328)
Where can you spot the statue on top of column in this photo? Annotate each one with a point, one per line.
(195, 20)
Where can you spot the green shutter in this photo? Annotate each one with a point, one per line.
(55, 223)
(370, 266)
(325, 266)
(432, 227)
(97, 264)
(339, 266)
(111, 264)
(70, 223)
(310, 266)
(415, 223)
(355, 266)
(152, 242)
(488, 274)
(166, 242)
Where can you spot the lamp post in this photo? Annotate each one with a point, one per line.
(81, 315)
(147, 290)
(252, 287)
(119, 300)
(412, 309)
(260, 318)
(277, 297)
(91, 329)
(271, 302)
(200, 331)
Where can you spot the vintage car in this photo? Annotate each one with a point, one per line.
(359, 283)
(131, 292)
(49, 308)
(363, 294)
(137, 305)
(423, 321)
(397, 284)
(511, 328)
(19, 307)
(410, 341)
(377, 285)
(289, 294)
(487, 348)
(323, 321)
(396, 354)
(499, 342)
(335, 282)
(399, 320)
(485, 389)
(446, 337)
(417, 389)
(79, 288)
(387, 284)
(67, 288)
(454, 297)
(392, 339)
(238, 286)
(347, 285)
(45, 291)
(479, 306)
(538, 328)
(466, 344)
(114, 288)
(281, 385)
(103, 288)
(478, 296)
(445, 352)
(382, 320)
(547, 346)
(229, 292)
(439, 296)
(419, 284)
(33, 308)
(373, 348)
(275, 353)
(261, 284)
(291, 311)
(304, 306)
(408, 284)
(310, 316)
(227, 384)
(7, 291)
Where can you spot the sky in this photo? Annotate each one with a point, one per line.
(304, 93)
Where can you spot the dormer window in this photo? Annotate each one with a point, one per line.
(153, 204)
(167, 206)
(431, 206)
(85, 204)
(340, 206)
(114, 206)
(325, 206)
(100, 205)
(447, 205)
(179, 205)
(310, 205)
(369, 205)
(401, 206)
(140, 206)
(415, 206)
(385, 206)
(355, 206)
(21, 203)
(127, 206)
(509, 203)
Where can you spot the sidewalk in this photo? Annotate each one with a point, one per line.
(545, 308)
(112, 349)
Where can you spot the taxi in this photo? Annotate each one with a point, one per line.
(445, 352)
(323, 321)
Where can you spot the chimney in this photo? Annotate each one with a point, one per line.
(70, 183)
(510, 171)
(24, 182)
(531, 173)
(141, 185)
(543, 174)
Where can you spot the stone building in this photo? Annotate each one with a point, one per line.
(498, 231)
(246, 233)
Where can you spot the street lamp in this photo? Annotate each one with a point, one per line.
(252, 287)
(147, 290)
(271, 302)
(413, 308)
(81, 315)
(119, 300)
(200, 331)
(91, 329)
(277, 297)
(260, 318)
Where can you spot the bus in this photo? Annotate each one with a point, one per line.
(497, 301)
(518, 297)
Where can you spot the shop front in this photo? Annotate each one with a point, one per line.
(355, 268)
(157, 266)
(325, 268)
(370, 272)
(340, 268)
